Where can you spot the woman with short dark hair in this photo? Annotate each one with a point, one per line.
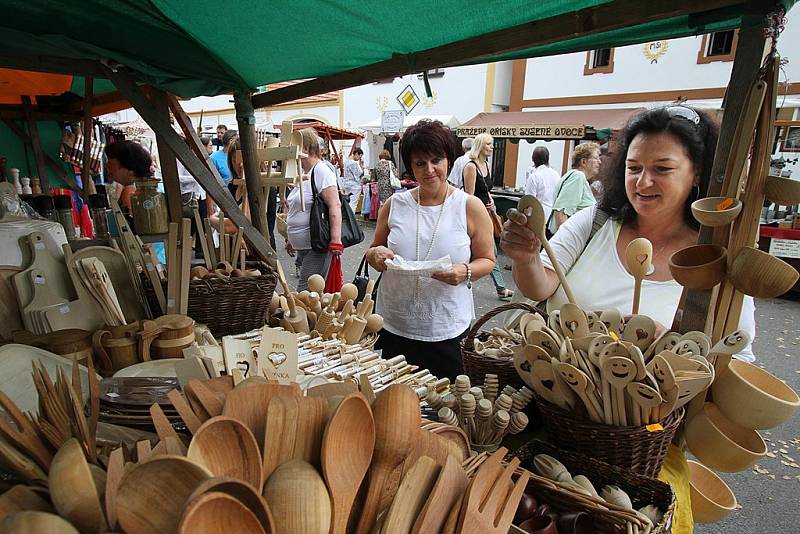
(425, 317)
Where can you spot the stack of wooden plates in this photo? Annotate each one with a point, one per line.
(126, 401)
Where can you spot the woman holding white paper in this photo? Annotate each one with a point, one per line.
(425, 317)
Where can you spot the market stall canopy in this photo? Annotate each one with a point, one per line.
(567, 124)
(57, 91)
(203, 47)
(336, 134)
(409, 120)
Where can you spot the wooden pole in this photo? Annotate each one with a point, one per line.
(246, 120)
(166, 158)
(88, 130)
(36, 143)
(205, 176)
(746, 65)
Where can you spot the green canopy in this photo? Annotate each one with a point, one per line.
(204, 47)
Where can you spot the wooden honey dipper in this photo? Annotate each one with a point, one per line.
(476, 392)
(467, 415)
(500, 422)
(447, 416)
(483, 414)
(490, 386)
(503, 403)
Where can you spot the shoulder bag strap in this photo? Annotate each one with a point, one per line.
(600, 218)
(314, 192)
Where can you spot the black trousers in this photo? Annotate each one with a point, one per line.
(442, 358)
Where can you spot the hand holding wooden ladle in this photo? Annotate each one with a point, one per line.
(524, 232)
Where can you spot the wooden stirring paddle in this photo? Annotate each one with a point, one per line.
(536, 223)
(639, 260)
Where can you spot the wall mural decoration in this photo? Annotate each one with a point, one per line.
(655, 49)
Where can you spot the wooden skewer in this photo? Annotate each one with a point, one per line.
(201, 235)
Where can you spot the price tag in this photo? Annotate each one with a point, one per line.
(277, 355)
(784, 248)
(654, 428)
(63, 310)
(38, 246)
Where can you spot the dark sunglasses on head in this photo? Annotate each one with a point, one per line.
(682, 112)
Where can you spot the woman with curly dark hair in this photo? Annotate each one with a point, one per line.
(659, 165)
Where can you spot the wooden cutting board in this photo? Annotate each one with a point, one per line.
(53, 269)
(117, 268)
(10, 317)
(43, 297)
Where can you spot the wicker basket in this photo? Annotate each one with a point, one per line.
(633, 448)
(476, 366)
(227, 306)
(608, 519)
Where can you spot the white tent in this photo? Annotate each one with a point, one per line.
(448, 120)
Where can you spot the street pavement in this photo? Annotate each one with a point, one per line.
(769, 493)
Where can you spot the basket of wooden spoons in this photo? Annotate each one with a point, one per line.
(484, 352)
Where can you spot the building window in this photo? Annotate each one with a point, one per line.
(718, 46)
(600, 61)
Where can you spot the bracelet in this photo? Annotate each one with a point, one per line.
(468, 281)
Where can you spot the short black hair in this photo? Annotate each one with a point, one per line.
(428, 137)
(699, 140)
(132, 156)
(358, 151)
(222, 126)
(541, 156)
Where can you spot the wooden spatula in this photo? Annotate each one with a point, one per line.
(450, 486)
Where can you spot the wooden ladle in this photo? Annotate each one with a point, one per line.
(397, 421)
(638, 259)
(347, 447)
(226, 447)
(536, 222)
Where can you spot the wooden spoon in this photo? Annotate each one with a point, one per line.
(661, 370)
(640, 330)
(347, 447)
(645, 399)
(242, 492)
(279, 433)
(298, 499)
(619, 372)
(638, 259)
(579, 382)
(397, 420)
(115, 471)
(28, 522)
(248, 404)
(574, 322)
(215, 512)
(226, 447)
(536, 222)
(414, 490)
(152, 495)
(613, 320)
(450, 486)
(544, 341)
(72, 489)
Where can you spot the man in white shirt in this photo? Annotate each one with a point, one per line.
(541, 181)
(457, 174)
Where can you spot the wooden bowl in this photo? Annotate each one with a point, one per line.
(73, 490)
(712, 499)
(706, 213)
(28, 522)
(753, 398)
(762, 275)
(151, 496)
(699, 266)
(226, 447)
(782, 190)
(214, 512)
(721, 444)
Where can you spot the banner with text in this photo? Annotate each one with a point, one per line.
(539, 131)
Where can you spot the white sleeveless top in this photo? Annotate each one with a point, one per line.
(435, 311)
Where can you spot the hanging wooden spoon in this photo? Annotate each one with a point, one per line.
(639, 260)
(536, 222)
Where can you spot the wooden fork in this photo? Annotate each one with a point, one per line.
(489, 506)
